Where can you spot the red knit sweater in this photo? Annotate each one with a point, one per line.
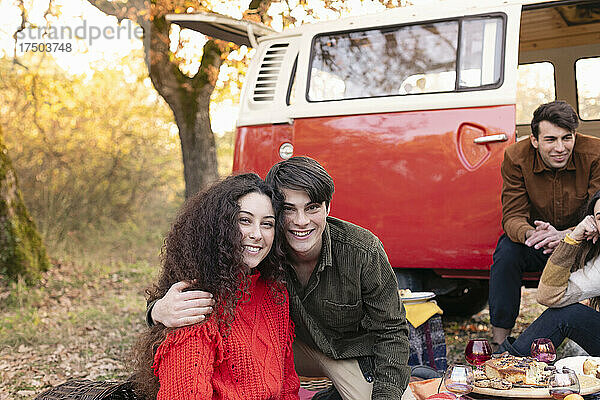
(253, 361)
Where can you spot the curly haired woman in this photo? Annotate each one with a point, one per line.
(224, 241)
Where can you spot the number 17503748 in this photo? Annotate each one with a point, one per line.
(45, 47)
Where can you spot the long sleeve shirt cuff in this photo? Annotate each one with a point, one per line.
(555, 278)
(386, 391)
(517, 230)
(564, 255)
(149, 307)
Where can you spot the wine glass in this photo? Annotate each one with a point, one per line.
(562, 383)
(459, 380)
(478, 351)
(543, 350)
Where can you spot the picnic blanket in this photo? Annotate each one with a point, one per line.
(428, 344)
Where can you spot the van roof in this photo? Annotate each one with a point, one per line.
(416, 12)
(251, 33)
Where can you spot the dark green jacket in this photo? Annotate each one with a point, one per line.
(350, 307)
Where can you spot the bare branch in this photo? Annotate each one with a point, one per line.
(21, 27)
(115, 8)
(210, 64)
(259, 8)
(15, 61)
(49, 10)
(164, 73)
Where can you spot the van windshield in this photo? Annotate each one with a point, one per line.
(407, 60)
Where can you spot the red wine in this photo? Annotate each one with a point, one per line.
(545, 357)
(460, 388)
(478, 351)
(561, 393)
(477, 359)
(543, 350)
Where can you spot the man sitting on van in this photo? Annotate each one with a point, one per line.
(546, 182)
(350, 322)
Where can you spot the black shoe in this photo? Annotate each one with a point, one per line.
(424, 372)
(507, 346)
(327, 394)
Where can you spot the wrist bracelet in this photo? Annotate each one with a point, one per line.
(569, 240)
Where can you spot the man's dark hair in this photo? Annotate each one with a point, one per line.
(559, 113)
(302, 173)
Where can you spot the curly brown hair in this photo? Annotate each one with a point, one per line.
(204, 246)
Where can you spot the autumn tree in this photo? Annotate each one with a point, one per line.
(187, 96)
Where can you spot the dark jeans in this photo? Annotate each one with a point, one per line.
(510, 261)
(576, 322)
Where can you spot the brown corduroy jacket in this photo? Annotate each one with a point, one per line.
(533, 191)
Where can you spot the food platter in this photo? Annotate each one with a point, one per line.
(588, 385)
(575, 363)
(416, 297)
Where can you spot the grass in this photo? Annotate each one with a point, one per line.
(80, 321)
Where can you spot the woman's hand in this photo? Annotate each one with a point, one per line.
(587, 229)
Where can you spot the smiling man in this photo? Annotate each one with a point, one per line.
(546, 182)
(350, 322)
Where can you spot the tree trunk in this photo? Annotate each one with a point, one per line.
(197, 147)
(22, 253)
(189, 99)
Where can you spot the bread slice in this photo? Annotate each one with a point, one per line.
(516, 370)
(590, 367)
(587, 381)
(500, 384)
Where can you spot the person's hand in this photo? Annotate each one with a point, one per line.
(178, 308)
(542, 231)
(545, 237)
(549, 248)
(587, 229)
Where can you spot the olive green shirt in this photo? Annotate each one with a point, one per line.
(350, 307)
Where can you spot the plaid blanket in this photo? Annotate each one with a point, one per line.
(428, 344)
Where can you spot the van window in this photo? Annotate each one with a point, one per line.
(480, 52)
(588, 87)
(535, 86)
(407, 60)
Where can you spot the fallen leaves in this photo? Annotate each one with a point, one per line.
(79, 323)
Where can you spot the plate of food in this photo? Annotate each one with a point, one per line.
(582, 365)
(522, 377)
(408, 296)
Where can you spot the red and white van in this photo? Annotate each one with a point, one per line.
(410, 111)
